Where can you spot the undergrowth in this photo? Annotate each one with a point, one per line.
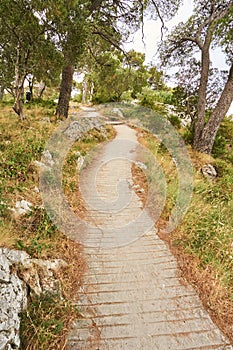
(203, 241)
(46, 321)
(165, 161)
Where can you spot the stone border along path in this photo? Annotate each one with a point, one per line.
(132, 297)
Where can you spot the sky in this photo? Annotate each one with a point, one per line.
(152, 36)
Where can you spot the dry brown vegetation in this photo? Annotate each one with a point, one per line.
(46, 322)
(203, 242)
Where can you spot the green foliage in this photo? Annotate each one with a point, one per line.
(201, 84)
(33, 248)
(26, 48)
(18, 156)
(114, 76)
(40, 231)
(209, 240)
(127, 96)
(155, 99)
(223, 141)
(45, 321)
(174, 120)
(39, 102)
(207, 228)
(77, 98)
(159, 102)
(188, 136)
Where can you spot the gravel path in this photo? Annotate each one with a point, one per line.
(133, 297)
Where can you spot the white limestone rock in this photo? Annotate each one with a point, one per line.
(209, 171)
(18, 274)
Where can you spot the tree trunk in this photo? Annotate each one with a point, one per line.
(31, 85)
(41, 89)
(91, 92)
(19, 83)
(65, 91)
(1, 92)
(206, 141)
(201, 104)
(85, 91)
(18, 102)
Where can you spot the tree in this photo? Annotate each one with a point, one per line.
(22, 46)
(209, 26)
(65, 23)
(45, 67)
(156, 78)
(185, 94)
(110, 73)
(79, 21)
(26, 25)
(138, 71)
(75, 21)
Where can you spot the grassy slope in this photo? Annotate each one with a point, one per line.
(46, 322)
(203, 242)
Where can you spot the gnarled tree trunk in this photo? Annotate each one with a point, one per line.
(201, 104)
(65, 91)
(206, 140)
(31, 86)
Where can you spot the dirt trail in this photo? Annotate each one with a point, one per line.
(132, 297)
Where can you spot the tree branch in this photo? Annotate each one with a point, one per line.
(160, 17)
(109, 39)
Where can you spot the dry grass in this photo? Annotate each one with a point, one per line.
(214, 294)
(47, 321)
(203, 243)
(140, 179)
(7, 235)
(164, 159)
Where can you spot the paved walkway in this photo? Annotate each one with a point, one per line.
(132, 297)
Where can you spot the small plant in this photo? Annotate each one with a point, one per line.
(46, 322)
(38, 232)
(34, 248)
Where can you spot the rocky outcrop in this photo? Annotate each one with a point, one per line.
(77, 129)
(13, 299)
(20, 276)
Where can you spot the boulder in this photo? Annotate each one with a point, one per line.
(209, 171)
(22, 207)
